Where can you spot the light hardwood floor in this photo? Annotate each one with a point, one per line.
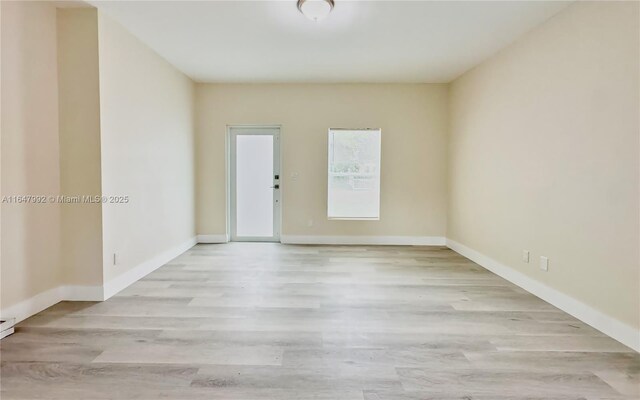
(246, 321)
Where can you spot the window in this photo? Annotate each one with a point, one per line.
(354, 174)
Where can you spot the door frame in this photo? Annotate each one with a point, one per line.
(231, 178)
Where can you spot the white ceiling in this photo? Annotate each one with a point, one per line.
(361, 41)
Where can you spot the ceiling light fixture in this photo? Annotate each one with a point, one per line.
(315, 10)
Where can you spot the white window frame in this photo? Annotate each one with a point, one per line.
(346, 218)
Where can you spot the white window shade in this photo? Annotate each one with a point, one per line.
(354, 174)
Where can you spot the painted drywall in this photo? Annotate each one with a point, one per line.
(543, 156)
(30, 158)
(147, 138)
(413, 119)
(79, 118)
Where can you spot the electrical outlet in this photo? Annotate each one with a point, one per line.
(525, 256)
(544, 263)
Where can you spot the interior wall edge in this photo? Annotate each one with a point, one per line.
(611, 327)
(80, 152)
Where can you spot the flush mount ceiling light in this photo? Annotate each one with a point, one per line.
(315, 10)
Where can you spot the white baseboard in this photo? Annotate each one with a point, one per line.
(48, 298)
(224, 238)
(32, 305)
(6, 333)
(612, 327)
(82, 293)
(366, 240)
(138, 272)
(354, 240)
(6, 327)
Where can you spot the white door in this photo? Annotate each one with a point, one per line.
(255, 184)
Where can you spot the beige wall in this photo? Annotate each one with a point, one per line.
(544, 156)
(79, 104)
(29, 141)
(147, 137)
(413, 119)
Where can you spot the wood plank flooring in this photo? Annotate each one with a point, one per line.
(245, 321)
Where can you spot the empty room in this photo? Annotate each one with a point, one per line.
(320, 200)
